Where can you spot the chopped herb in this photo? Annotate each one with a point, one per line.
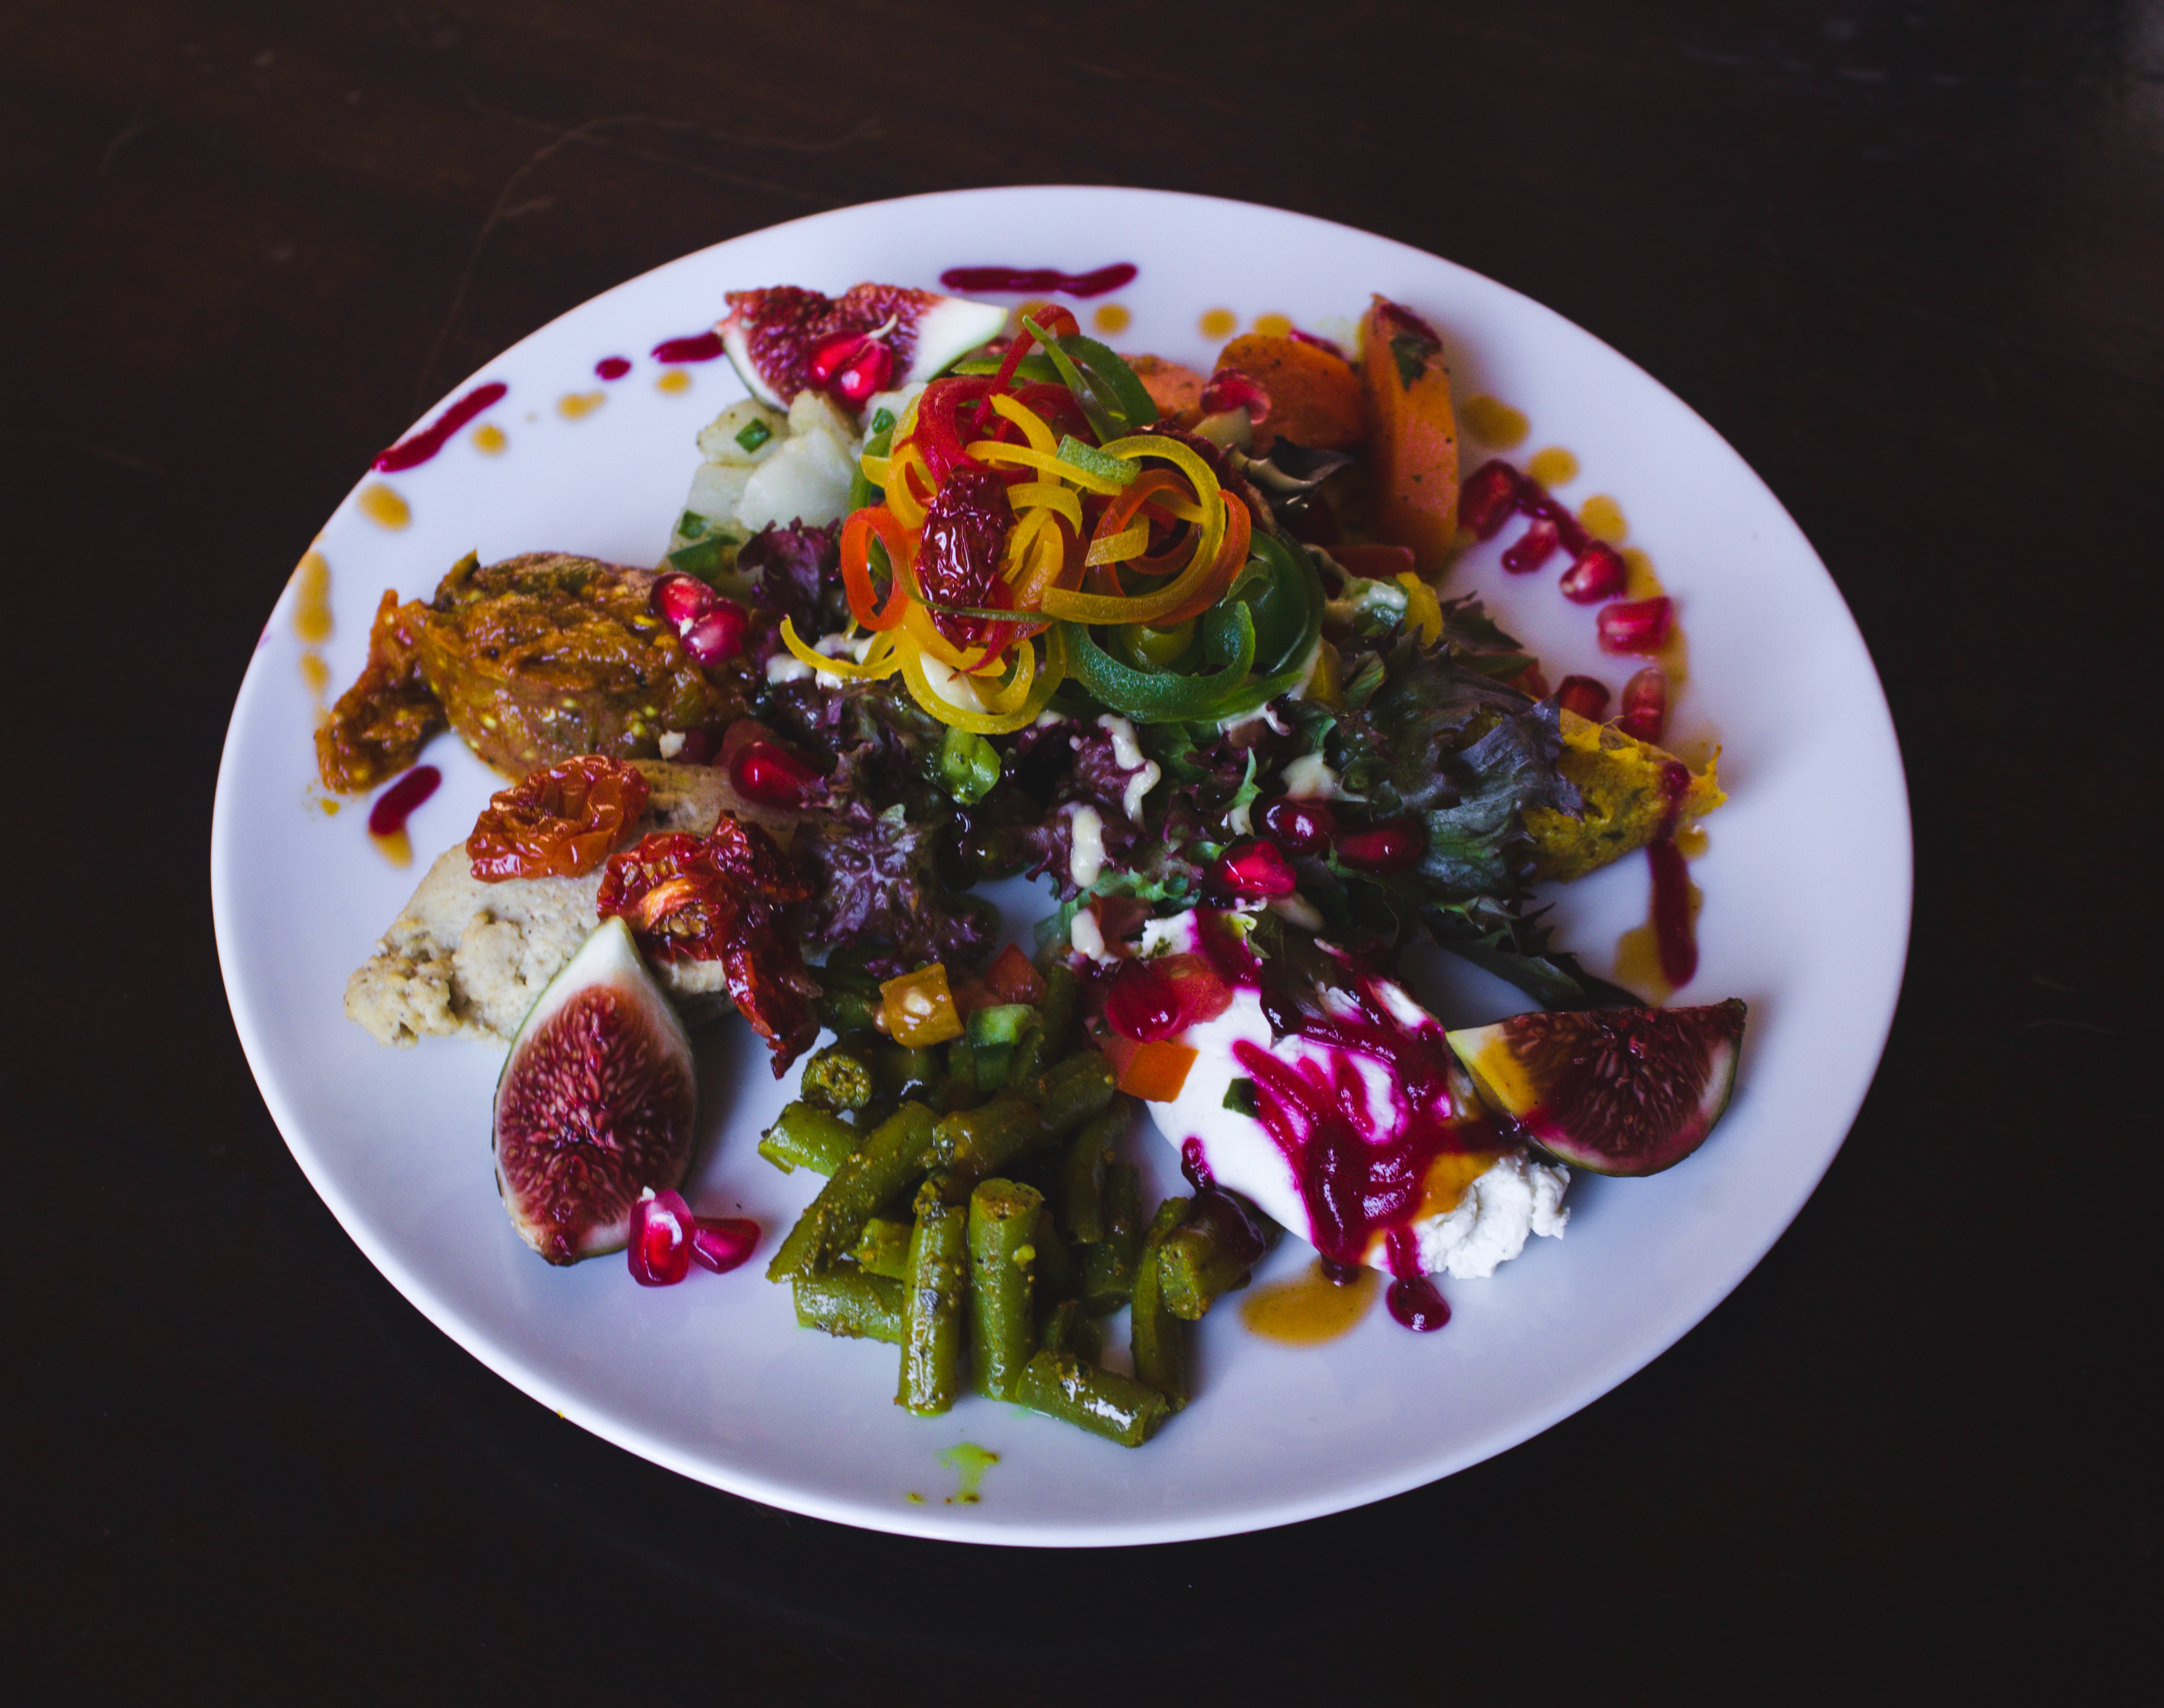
(1411, 352)
(1240, 1098)
(691, 525)
(752, 435)
(882, 420)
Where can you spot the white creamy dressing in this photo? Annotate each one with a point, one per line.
(1513, 1199)
(1087, 858)
(1127, 754)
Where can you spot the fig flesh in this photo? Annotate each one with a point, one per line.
(785, 338)
(595, 1104)
(1611, 1090)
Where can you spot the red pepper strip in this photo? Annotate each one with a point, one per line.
(857, 535)
(1022, 344)
(939, 431)
(1231, 558)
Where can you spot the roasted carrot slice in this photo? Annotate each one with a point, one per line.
(1177, 391)
(1412, 445)
(1314, 395)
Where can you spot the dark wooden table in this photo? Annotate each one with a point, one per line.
(1909, 258)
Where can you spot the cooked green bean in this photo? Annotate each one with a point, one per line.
(881, 1169)
(1059, 1276)
(806, 1137)
(897, 1072)
(935, 1328)
(1102, 1401)
(1082, 1170)
(1160, 1354)
(850, 1303)
(1199, 1261)
(836, 1079)
(1066, 1330)
(1080, 1087)
(1041, 1048)
(1004, 1219)
(1108, 1266)
(846, 1002)
(978, 1143)
(883, 1248)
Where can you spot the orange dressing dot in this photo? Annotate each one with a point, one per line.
(1603, 518)
(1643, 583)
(1219, 323)
(315, 672)
(1552, 467)
(312, 598)
(396, 847)
(573, 404)
(490, 440)
(1493, 422)
(1691, 841)
(1274, 325)
(1309, 1309)
(675, 380)
(1112, 316)
(384, 508)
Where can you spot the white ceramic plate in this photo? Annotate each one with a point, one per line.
(1806, 911)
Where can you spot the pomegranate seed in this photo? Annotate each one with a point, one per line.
(1636, 626)
(1535, 547)
(721, 1242)
(719, 634)
(1383, 848)
(866, 373)
(1141, 1004)
(1586, 696)
(832, 356)
(1253, 870)
(1486, 501)
(697, 749)
(682, 601)
(1302, 827)
(1231, 389)
(660, 1249)
(1645, 710)
(771, 776)
(1598, 573)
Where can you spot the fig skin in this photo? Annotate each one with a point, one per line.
(596, 1102)
(1610, 1090)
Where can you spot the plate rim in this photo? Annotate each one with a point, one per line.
(1132, 1530)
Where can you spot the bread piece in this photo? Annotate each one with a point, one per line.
(467, 959)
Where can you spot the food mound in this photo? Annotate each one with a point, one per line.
(953, 598)
(536, 659)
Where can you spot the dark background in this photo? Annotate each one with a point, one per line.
(1909, 258)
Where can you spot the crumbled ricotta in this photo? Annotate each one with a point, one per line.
(786, 667)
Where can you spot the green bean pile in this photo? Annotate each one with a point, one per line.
(976, 1215)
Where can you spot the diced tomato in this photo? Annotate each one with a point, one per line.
(1012, 978)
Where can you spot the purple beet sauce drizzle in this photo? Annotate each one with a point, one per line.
(694, 347)
(611, 367)
(1090, 284)
(411, 452)
(1357, 1183)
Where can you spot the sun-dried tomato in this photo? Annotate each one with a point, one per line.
(723, 898)
(560, 822)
